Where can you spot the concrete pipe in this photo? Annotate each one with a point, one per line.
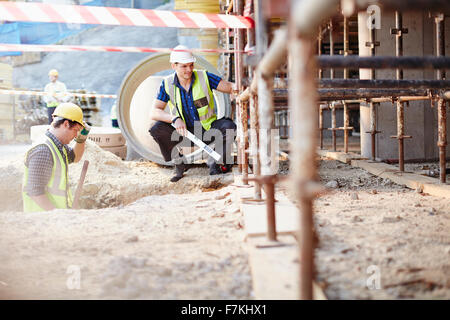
(135, 99)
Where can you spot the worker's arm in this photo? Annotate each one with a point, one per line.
(226, 86)
(80, 140)
(159, 114)
(43, 202)
(78, 149)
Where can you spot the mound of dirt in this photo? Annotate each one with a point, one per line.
(110, 181)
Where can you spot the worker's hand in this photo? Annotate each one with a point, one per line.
(82, 135)
(180, 126)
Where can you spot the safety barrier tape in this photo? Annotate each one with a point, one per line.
(45, 12)
(64, 48)
(42, 93)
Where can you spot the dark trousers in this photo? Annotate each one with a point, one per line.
(222, 133)
(50, 111)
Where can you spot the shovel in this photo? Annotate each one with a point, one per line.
(80, 185)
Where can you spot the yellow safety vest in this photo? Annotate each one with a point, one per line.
(57, 189)
(201, 94)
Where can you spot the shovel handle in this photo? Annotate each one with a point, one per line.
(80, 185)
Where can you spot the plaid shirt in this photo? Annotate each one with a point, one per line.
(190, 112)
(39, 161)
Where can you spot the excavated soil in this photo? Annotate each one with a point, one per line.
(157, 239)
(147, 238)
(379, 240)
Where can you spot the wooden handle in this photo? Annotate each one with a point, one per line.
(80, 185)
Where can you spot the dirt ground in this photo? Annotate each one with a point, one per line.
(368, 226)
(147, 238)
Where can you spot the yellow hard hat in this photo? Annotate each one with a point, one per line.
(69, 111)
(53, 72)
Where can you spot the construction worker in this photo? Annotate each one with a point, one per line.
(189, 94)
(54, 86)
(45, 184)
(113, 115)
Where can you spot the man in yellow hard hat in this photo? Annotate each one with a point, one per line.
(45, 184)
(190, 97)
(54, 87)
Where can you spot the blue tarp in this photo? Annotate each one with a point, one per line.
(40, 32)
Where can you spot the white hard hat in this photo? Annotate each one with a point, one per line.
(53, 72)
(181, 56)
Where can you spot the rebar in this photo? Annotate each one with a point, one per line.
(442, 112)
(399, 31)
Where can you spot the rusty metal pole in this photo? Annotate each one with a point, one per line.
(319, 53)
(238, 67)
(321, 128)
(333, 111)
(303, 103)
(373, 106)
(399, 31)
(346, 75)
(333, 125)
(254, 143)
(346, 127)
(265, 119)
(330, 30)
(442, 112)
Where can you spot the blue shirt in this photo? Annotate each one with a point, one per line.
(190, 112)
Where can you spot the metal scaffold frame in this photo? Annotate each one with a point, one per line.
(308, 96)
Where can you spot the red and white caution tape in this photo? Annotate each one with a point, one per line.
(63, 48)
(45, 12)
(42, 93)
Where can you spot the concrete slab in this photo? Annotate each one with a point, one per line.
(411, 180)
(266, 258)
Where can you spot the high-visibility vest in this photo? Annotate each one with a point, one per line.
(114, 112)
(57, 189)
(201, 94)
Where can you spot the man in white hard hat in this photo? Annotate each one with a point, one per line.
(45, 180)
(189, 94)
(54, 87)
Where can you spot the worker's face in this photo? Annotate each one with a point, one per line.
(183, 70)
(71, 133)
(52, 78)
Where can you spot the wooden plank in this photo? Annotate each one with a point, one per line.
(281, 261)
(340, 156)
(411, 180)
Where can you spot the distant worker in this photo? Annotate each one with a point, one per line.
(54, 86)
(45, 181)
(113, 113)
(189, 94)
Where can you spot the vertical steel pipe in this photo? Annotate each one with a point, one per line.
(303, 103)
(346, 76)
(346, 127)
(373, 106)
(398, 31)
(238, 69)
(254, 143)
(400, 134)
(321, 128)
(442, 112)
(373, 127)
(442, 139)
(330, 28)
(333, 126)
